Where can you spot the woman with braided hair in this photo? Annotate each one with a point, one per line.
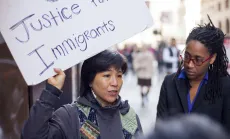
(201, 84)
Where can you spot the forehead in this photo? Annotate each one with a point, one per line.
(196, 48)
(113, 68)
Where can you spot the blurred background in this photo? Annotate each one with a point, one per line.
(172, 19)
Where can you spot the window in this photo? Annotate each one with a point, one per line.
(226, 3)
(227, 26)
(219, 6)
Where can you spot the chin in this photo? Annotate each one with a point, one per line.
(111, 100)
(191, 77)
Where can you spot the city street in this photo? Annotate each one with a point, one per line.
(131, 92)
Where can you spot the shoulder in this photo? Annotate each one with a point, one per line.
(225, 84)
(126, 110)
(66, 118)
(131, 115)
(225, 79)
(65, 111)
(170, 78)
(130, 121)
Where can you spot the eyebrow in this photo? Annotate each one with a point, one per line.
(194, 56)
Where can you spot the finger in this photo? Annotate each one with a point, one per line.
(59, 71)
(51, 79)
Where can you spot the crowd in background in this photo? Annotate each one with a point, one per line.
(166, 54)
(140, 59)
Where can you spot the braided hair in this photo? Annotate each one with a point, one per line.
(213, 39)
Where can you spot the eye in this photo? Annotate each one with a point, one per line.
(120, 75)
(199, 60)
(106, 75)
(186, 56)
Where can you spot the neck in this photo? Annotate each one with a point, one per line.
(102, 103)
(196, 81)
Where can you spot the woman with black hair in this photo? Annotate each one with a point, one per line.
(202, 83)
(99, 112)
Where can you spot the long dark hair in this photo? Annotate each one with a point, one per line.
(213, 39)
(99, 63)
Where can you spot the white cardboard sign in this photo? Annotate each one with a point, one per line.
(43, 35)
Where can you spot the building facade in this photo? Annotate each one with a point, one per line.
(168, 21)
(219, 12)
(192, 16)
(168, 16)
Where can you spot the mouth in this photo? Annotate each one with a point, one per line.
(190, 73)
(113, 92)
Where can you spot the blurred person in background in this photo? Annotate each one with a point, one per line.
(143, 66)
(202, 83)
(128, 51)
(171, 57)
(99, 112)
(188, 127)
(159, 56)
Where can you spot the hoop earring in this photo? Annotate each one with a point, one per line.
(210, 66)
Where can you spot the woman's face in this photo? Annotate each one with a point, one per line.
(198, 52)
(106, 86)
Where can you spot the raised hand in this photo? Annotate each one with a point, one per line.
(57, 80)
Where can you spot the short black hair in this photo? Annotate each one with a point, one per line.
(99, 63)
(191, 126)
(213, 40)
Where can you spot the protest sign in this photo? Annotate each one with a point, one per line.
(47, 34)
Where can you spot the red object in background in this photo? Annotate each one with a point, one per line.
(227, 47)
(227, 42)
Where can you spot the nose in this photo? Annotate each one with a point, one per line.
(114, 81)
(191, 63)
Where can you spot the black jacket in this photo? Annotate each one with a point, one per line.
(45, 123)
(173, 101)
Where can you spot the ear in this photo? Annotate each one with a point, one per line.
(212, 60)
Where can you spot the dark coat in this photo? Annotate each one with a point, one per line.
(45, 123)
(173, 101)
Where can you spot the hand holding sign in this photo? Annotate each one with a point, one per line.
(58, 80)
(42, 35)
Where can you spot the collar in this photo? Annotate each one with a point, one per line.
(90, 101)
(182, 75)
